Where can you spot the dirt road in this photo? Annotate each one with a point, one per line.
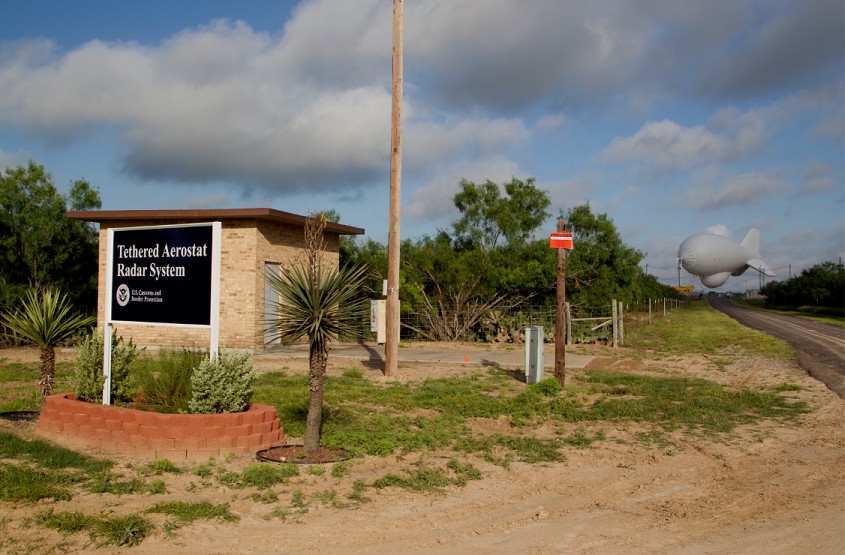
(820, 347)
(774, 486)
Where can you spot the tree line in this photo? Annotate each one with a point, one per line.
(822, 286)
(39, 246)
(494, 255)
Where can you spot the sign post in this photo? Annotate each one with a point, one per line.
(162, 276)
(562, 241)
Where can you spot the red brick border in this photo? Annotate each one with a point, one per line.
(159, 436)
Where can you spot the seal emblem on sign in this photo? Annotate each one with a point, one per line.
(122, 294)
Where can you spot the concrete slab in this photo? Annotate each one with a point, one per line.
(471, 355)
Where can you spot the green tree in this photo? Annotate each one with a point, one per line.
(487, 216)
(457, 279)
(821, 285)
(322, 304)
(39, 245)
(601, 267)
(45, 320)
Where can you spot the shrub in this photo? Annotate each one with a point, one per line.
(163, 383)
(89, 379)
(222, 384)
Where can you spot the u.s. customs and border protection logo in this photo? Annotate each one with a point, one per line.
(122, 294)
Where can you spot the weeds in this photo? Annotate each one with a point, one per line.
(191, 511)
(161, 466)
(263, 476)
(127, 530)
(106, 530)
(20, 483)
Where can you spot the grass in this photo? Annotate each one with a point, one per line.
(20, 483)
(190, 511)
(827, 315)
(484, 415)
(19, 381)
(48, 455)
(127, 530)
(431, 479)
(702, 329)
(263, 476)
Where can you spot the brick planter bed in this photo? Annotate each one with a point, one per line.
(146, 434)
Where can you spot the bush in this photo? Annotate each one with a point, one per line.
(222, 384)
(163, 383)
(89, 379)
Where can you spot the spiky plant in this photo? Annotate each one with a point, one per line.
(323, 305)
(45, 319)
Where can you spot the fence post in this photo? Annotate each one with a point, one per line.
(614, 315)
(649, 312)
(621, 324)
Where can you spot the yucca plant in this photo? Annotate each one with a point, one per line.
(45, 319)
(323, 305)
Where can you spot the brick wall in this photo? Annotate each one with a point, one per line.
(158, 436)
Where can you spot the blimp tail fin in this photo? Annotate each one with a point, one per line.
(760, 266)
(752, 241)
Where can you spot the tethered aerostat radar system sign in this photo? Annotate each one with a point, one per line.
(163, 276)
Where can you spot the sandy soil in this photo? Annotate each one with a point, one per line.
(770, 488)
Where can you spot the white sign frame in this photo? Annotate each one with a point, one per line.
(214, 317)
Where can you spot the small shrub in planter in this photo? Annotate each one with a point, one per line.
(163, 383)
(88, 377)
(222, 384)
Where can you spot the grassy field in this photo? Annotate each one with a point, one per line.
(828, 316)
(535, 424)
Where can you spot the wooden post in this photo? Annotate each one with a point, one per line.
(621, 323)
(560, 313)
(391, 346)
(614, 313)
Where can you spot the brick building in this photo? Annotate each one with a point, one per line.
(254, 240)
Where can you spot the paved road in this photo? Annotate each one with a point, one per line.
(820, 347)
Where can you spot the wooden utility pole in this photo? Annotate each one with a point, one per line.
(391, 346)
(560, 313)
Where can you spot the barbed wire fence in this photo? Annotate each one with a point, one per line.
(585, 324)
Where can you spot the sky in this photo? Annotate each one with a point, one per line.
(671, 117)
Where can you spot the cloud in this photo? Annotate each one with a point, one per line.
(433, 200)
(515, 54)
(707, 193)
(428, 144)
(666, 146)
(781, 48)
(551, 121)
(569, 193)
(719, 229)
(9, 159)
(817, 178)
(307, 109)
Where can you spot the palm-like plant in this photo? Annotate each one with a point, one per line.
(322, 305)
(45, 320)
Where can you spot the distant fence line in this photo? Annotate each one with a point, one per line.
(606, 324)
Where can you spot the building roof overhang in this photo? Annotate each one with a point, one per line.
(268, 214)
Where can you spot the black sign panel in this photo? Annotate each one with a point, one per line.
(162, 275)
